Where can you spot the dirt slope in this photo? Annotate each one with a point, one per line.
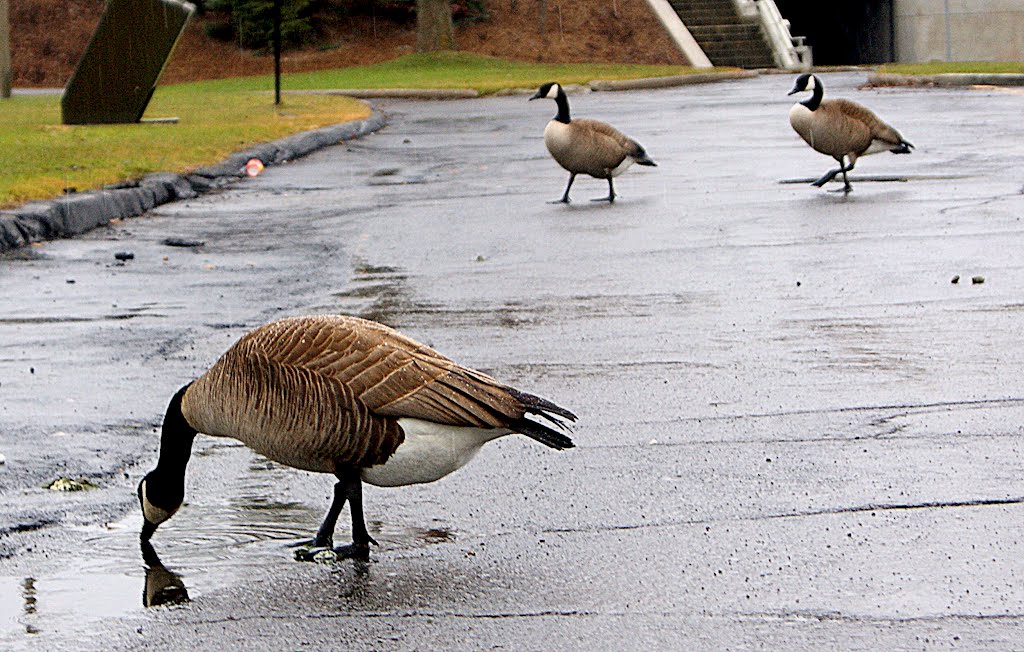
(568, 31)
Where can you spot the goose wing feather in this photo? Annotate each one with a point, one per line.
(876, 128)
(313, 391)
(287, 412)
(602, 145)
(388, 373)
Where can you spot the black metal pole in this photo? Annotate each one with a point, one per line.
(277, 52)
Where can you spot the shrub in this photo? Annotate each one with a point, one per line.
(251, 22)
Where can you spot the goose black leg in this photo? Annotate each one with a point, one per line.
(831, 174)
(565, 196)
(361, 539)
(348, 488)
(846, 182)
(611, 193)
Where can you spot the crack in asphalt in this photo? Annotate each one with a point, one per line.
(836, 616)
(978, 203)
(822, 616)
(889, 507)
(856, 509)
(548, 613)
(834, 439)
(917, 407)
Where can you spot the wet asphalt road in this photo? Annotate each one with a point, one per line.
(796, 433)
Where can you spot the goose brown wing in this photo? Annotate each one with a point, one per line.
(605, 144)
(287, 412)
(877, 128)
(390, 374)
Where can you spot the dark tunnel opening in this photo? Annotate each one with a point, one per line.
(844, 33)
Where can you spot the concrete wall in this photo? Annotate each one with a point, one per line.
(980, 30)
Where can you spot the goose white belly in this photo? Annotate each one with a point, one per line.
(877, 146)
(558, 139)
(622, 167)
(802, 120)
(430, 452)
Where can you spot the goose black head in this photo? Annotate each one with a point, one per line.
(548, 91)
(805, 82)
(162, 491)
(160, 498)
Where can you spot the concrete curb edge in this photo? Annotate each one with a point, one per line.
(667, 82)
(946, 79)
(77, 213)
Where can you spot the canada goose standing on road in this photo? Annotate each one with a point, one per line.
(346, 396)
(840, 128)
(587, 146)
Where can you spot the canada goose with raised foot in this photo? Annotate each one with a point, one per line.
(345, 396)
(840, 128)
(587, 146)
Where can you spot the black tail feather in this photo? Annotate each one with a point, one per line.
(541, 433)
(541, 407)
(904, 148)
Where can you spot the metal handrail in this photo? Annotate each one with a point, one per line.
(788, 51)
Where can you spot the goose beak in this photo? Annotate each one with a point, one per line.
(536, 96)
(795, 90)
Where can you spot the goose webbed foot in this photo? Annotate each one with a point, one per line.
(565, 195)
(358, 551)
(847, 189)
(831, 174)
(611, 193)
(349, 488)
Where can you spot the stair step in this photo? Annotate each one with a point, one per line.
(725, 37)
(725, 31)
(704, 13)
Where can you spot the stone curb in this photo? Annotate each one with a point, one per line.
(397, 93)
(596, 85)
(667, 82)
(77, 213)
(946, 79)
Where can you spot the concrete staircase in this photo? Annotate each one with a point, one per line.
(725, 37)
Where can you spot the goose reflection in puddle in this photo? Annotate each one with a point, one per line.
(163, 586)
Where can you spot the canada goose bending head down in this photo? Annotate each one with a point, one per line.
(587, 146)
(841, 129)
(346, 396)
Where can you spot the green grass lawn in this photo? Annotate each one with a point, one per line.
(40, 157)
(454, 70)
(938, 67)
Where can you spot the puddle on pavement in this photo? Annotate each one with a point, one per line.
(203, 548)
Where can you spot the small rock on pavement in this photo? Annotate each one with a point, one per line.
(124, 255)
(977, 280)
(3, 460)
(182, 242)
(70, 484)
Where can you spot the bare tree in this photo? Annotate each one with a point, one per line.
(434, 26)
(5, 50)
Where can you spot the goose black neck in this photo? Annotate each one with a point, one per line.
(176, 438)
(563, 107)
(814, 100)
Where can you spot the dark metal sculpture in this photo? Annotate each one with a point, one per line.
(117, 75)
